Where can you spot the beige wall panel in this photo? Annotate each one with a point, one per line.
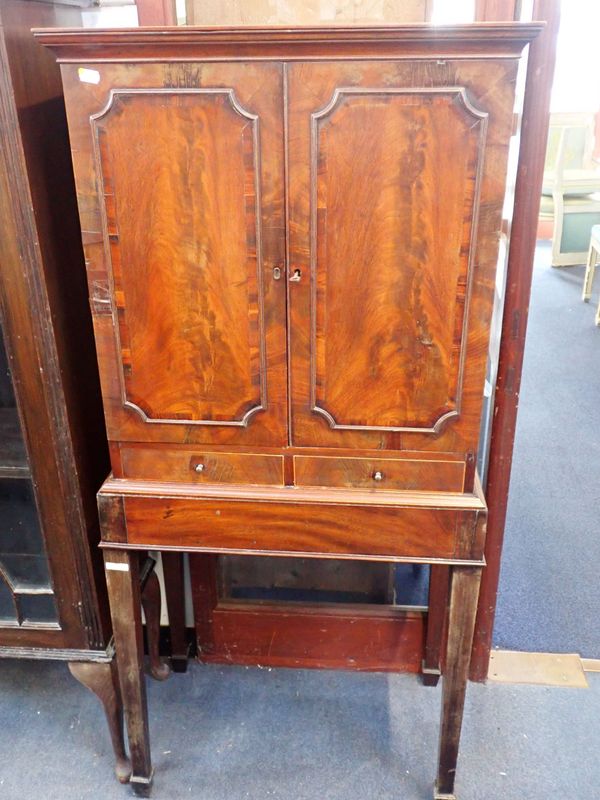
(305, 12)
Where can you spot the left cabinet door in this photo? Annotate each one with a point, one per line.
(179, 172)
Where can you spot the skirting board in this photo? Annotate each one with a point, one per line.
(543, 669)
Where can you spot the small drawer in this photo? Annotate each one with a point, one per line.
(198, 466)
(380, 473)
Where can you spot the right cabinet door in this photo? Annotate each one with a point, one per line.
(396, 185)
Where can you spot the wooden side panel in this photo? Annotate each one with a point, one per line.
(179, 173)
(395, 238)
(371, 639)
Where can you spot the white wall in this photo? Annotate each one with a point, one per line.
(577, 76)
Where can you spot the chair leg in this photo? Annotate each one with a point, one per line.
(123, 580)
(101, 678)
(589, 274)
(463, 608)
(597, 319)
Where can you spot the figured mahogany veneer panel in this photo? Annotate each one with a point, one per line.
(384, 532)
(390, 272)
(195, 466)
(396, 245)
(179, 173)
(380, 473)
(175, 163)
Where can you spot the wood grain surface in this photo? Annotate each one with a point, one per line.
(196, 466)
(188, 290)
(379, 639)
(390, 270)
(390, 320)
(380, 473)
(360, 531)
(181, 243)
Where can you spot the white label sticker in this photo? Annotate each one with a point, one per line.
(118, 567)
(88, 75)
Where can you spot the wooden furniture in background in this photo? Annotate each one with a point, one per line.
(53, 454)
(571, 188)
(304, 12)
(593, 258)
(300, 372)
(156, 12)
(53, 451)
(497, 10)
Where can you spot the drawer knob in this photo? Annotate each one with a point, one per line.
(199, 468)
(378, 476)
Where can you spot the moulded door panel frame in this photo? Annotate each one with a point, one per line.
(454, 432)
(86, 104)
(119, 326)
(460, 92)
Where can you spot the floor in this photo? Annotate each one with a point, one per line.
(549, 590)
(234, 733)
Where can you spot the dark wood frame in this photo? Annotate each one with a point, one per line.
(534, 131)
(48, 335)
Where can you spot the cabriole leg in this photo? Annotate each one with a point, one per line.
(151, 602)
(101, 678)
(464, 593)
(123, 579)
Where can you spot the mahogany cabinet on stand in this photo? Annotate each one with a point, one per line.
(291, 240)
(53, 451)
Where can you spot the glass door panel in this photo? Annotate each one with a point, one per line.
(26, 594)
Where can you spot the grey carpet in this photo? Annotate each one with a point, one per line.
(549, 584)
(234, 733)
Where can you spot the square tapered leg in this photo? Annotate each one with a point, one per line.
(464, 593)
(122, 576)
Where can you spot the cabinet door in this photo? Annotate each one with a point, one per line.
(179, 172)
(396, 185)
